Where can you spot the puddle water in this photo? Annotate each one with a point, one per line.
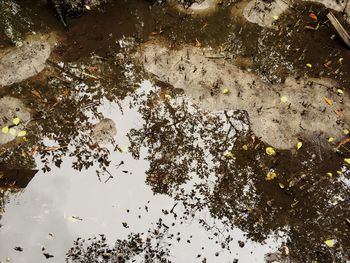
(56, 208)
(176, 183)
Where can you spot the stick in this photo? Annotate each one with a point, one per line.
(339, 28)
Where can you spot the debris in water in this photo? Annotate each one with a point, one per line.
(47, 255)
(19, 249)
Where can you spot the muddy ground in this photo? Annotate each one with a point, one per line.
(163, 132)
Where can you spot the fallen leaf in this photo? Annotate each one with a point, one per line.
(346, 131)
(228, 154)
(16, 120)
(245, 147)
(328, 64)
(330, 139)
(330, 242)
(309, 27)
(87, 7)
(340, 91)
(309, 65)
(339, 172)
(5, 129)
(328, 101)
(12, 131)
(281, 185)
(270, 151)
(313, 16)
(270, 176)
(329, 174)
(167, 96)
(21, 133)
(226, 91)
(339, 113)
(36, 93)
(275, 17)
(284, 99)
(299, 144)
(347, 160)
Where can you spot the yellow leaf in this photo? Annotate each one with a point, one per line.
(339, 172)
(123, 149)
(346, 131)
(87, 7)
(5, 129)
(15, 121)
(299, 145)
(329, 242)
(340, 91)
(226, 91)
(21, 133)
(167, 96)
(328, 101)
(330, 139)
(270, 151)
(309, 65)
(270, 176)
(329, 174)
(275, 17)
(12, 131)
(347, 160)
(245, 147)
(229, 154)
(284, 99)
(281, 185)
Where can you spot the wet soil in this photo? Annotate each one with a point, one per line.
(176, 183)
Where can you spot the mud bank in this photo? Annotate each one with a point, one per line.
(300, 108)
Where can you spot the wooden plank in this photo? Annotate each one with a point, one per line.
(339, 28)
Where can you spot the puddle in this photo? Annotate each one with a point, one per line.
(103, 207)
(173, 181)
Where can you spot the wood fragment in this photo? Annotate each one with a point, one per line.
(339, 28)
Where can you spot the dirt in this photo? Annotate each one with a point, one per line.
(119, 164)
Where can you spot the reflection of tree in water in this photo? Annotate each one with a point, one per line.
(64, 100)
(186, 149)
(13, 182)
(146, 248)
